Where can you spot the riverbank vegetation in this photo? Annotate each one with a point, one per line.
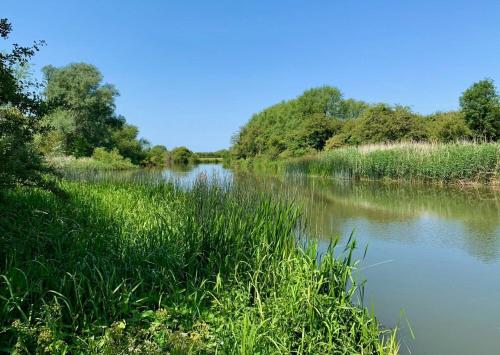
(213, 157)
(335, 134)
(171, 271)
(453, 162)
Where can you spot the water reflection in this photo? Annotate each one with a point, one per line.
(468, 219)
(433, 252)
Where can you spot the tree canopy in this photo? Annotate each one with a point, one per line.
(321, 119)
(20, 112)
(181, 155)
(480, 105)
(85, 107)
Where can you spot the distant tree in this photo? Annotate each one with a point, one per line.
(112, 158)
(480, 105)
(156, 156)
(20, 112)
(181, 155)
(85, 107)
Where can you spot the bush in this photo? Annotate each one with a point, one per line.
(449, 127)
(156, 156)
(21, 164)
(112, 158)
(20, 112)
(181, 155)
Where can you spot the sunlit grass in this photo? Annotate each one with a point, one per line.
(455, 162)
(152, 268)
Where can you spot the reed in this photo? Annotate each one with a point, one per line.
(455, 163)
(65, 163)
(154, 268)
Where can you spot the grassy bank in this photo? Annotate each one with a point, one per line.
(88, 163)
(122, 268)
(203, 160)
(448, 163)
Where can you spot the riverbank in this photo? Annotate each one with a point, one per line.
(452, 163)
(212, 269)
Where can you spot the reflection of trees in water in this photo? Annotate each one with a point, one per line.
(465, 218)
(181, 169)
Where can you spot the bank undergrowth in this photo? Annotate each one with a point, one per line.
(143, 268)
(103, 161)
(439, 162)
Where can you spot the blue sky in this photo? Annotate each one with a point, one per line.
(192, 72)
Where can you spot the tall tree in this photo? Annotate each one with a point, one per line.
(85, 107)
(480, 105)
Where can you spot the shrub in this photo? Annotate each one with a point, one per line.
(21, 164)
(156, 156)
(449, 127)
(112, 158)
(181, 155)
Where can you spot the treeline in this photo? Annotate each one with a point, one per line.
(321, 119)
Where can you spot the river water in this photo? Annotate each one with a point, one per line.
(433, 260)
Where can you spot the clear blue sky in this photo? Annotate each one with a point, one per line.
(192, 72)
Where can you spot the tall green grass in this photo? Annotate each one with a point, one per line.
(102, 161)
(152, 268)
(457, 162)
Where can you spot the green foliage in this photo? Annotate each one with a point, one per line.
(480, 105)
(449, 127)
(383, 123)
(84, 116)
(85, 107)
(295, 127)
(320, 119)
(313, 132)
(112, 158)
(156, 156)
(20, 112)
(212, 269)
(125, 140)
(21, 164)
(181, 155)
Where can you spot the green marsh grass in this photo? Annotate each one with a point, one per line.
(155, 268)
(453, 162)
(64, 163)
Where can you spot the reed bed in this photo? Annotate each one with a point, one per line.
(155, 268)
(455, 163)
(64, 163)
